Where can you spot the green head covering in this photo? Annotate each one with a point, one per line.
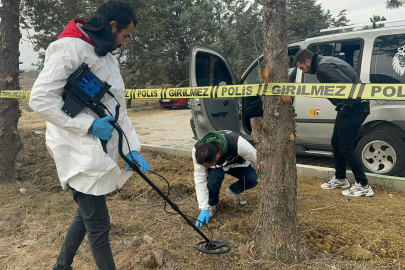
(215, 137)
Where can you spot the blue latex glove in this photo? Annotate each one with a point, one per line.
(203, 217)
(143, 164)
(102, 128)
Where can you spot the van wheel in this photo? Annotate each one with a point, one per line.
(189, 103)
(382, 153)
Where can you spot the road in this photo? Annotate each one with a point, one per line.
(162, 127)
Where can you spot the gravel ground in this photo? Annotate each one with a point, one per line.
(162, 127)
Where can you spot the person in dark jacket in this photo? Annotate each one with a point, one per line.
(350, 116)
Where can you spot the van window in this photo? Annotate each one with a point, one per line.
(211, 70)
(388, 59)
(347, 50)
(253, 77)
(292, 70)
(325, 49)
(252, 106)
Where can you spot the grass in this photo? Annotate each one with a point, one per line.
(34, 223)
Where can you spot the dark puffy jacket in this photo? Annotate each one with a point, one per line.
(330, 69)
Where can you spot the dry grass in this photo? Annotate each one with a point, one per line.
(34, 223)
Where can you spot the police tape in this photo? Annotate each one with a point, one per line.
(15, 94)
(315, 90)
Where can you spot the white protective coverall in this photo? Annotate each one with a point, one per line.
(79, 156)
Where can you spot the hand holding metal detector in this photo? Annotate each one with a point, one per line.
(84, 89)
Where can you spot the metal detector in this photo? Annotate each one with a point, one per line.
(84, 89)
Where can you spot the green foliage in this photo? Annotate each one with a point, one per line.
(240, 32)
(394, 4)
(158, 50)
(48, 18)
(378, 18)
(341, 19)
(304, 17)
(374, 19)
(163, 39)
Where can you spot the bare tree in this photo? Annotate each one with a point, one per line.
(277, 235)
(10, 141)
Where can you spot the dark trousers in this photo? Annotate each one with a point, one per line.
(92, 218)
(345, 132)
(247, 179)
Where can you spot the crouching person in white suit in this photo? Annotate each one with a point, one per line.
(217, 154)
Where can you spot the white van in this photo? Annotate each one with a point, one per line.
(378, 55)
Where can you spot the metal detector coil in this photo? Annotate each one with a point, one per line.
(213, 247)
(81, 89)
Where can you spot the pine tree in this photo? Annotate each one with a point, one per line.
(274, 135)
(10, 141)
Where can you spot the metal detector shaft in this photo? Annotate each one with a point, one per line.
(136, 169)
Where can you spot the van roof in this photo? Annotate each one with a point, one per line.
(352, 33)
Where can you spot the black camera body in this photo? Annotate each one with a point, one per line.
(83, 89)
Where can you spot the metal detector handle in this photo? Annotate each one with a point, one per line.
(209, 245)
(141, 174)
(104, 142)
(104, 145)
(101, 113)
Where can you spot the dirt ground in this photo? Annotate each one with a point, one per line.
(337, 232)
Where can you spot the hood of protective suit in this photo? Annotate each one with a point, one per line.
(96, 31)
(73, 31)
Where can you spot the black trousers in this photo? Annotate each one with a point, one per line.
(345, 132)
(92, 217)
(247, 179)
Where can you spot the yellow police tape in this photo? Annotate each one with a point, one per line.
(315, 90)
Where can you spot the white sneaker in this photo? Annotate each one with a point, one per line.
(361, 192)
(335, 183)
(212, 210)
(237, 198)
(354, 186)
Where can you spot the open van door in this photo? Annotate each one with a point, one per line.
(209, 67)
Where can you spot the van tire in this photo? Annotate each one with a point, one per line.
(382, 153)
(189, 103)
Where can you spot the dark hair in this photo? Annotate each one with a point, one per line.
(303, 55)
(118, 11)
(206, 152)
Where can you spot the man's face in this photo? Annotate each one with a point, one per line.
(120, 37)
(305, 67)
(212, 163)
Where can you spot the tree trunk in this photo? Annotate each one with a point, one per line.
(10, 141)
(277, 235)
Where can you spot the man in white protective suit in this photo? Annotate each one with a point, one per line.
(74, 143)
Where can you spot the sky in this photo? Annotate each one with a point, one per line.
(27, 54)
(358, 12)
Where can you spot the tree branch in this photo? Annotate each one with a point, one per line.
(321, 208)
(313, 230)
